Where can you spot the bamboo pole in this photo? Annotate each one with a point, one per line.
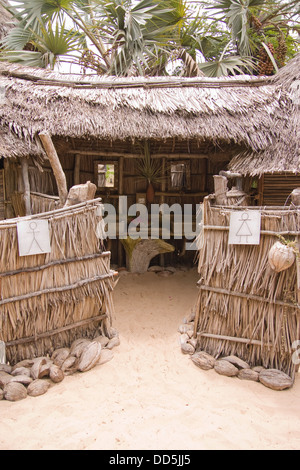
(34, 338)
(219, 290)
(55, 213)
(60, 262)
(235, 339)
(54, 290)
(56, 166)
(220, 189)
(263, 232)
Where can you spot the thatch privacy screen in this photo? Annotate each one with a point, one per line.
(50, 299)
(244, 308)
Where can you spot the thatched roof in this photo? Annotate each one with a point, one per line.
(251, 112)
(284, 153)
(11, 146)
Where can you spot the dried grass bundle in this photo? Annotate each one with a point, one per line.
(49, 300)
(244, 308)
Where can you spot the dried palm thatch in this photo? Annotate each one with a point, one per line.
(244, 308)
(38, 202)
(283, 155)
(258, 114)
(11, 146)
(248, 111)
(50, 299)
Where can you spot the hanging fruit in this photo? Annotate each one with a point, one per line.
(281, 51)
(281, 256)
(265, 65)
(256, 23)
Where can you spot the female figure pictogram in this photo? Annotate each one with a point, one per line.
(244, 230)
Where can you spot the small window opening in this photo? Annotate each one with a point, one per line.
(106, 175)
(180, 175)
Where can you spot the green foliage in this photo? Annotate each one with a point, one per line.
(148, 168)
(257, 25)
(122, 37)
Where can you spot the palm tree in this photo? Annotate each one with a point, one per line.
(114, 37)
(124, 37)
(260, 29)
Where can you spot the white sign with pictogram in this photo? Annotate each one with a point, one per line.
(244, 228)
(33, 237)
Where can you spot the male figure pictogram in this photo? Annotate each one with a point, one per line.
(33, 230)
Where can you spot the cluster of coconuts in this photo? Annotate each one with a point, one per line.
(230, 366)
(33, 377)
(233, 366)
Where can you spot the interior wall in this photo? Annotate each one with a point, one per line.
(78, 159)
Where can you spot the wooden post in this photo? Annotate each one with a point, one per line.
(77, 169)
(162, 200)
(56, 166)
(120, 191)
(8, 189)
(220, 183)
(121, 171)
(24, 167)
(261, 190)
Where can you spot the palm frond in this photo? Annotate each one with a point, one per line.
(28, 58)
(225, 66)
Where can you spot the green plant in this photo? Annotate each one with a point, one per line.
(149, 168)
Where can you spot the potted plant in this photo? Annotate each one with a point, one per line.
(149, 169)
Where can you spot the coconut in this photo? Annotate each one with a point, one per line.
(14, 391)
(281, 257)
(90, 356)
(56, 374)
(37, 387)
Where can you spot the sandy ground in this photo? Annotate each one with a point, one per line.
(151, 396)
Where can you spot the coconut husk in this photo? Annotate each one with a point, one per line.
(275, 379)
(203, 360)
(225, 368)
(90, 356)
(37, 387)
(14, 391)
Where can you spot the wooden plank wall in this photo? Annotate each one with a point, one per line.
(276, 188)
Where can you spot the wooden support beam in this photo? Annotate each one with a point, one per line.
(120, 188)
(77, 169)
(162, 200)
(108, 154)
(220, 189)
(24, 168)
(60, 177)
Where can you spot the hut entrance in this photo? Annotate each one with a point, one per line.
(179, 172)
(171, 175)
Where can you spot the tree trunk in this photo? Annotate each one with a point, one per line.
(60, 177)
(24, 166)
(141, 251)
